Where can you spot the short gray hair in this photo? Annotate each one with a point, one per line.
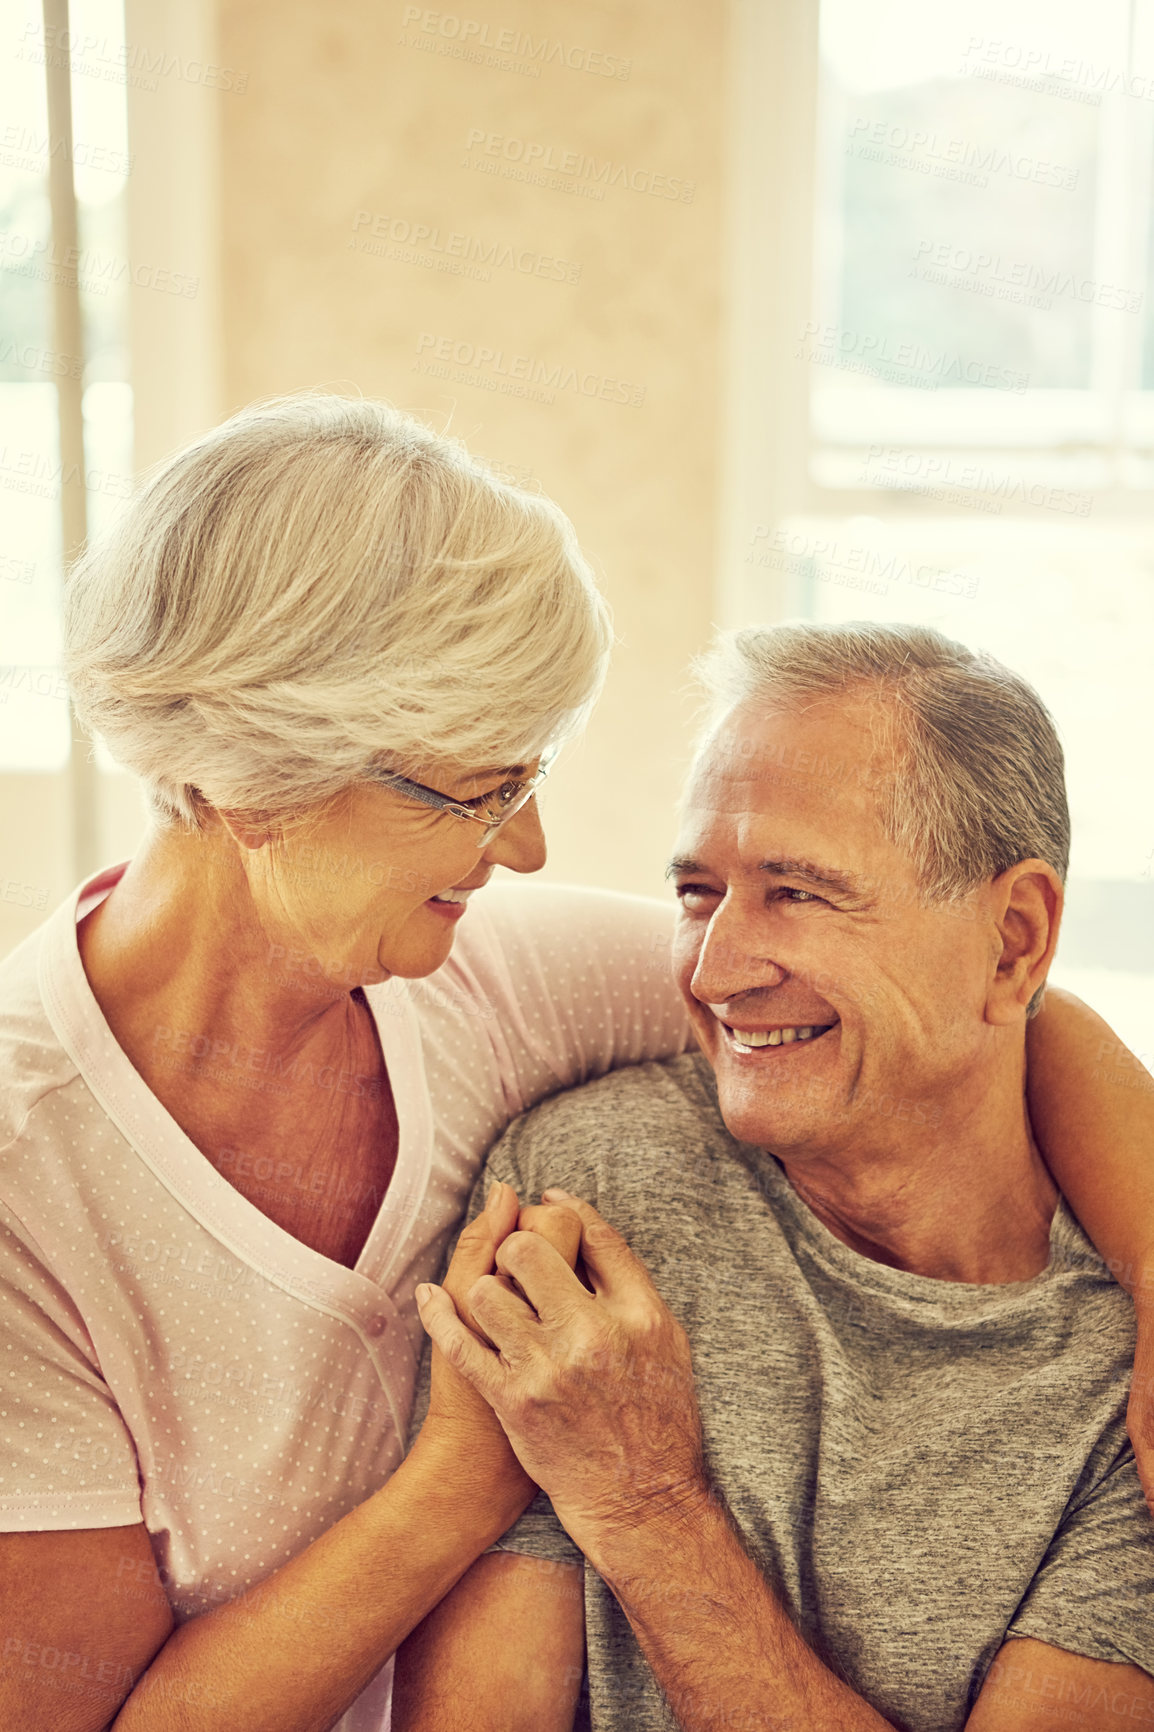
(317, 586)
(980, 773)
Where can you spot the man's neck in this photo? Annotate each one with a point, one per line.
(968, 1200)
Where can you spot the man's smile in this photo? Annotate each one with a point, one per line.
(782, 1034)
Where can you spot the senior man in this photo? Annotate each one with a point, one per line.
(892, 1487)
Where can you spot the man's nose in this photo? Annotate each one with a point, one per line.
(729, 962)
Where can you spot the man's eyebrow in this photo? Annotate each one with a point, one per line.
(821, 877)
(683, 863)
(824, 877)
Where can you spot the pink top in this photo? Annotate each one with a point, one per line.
(168, 1353)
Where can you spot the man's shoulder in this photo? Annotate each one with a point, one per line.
(668, 1105)
(679, 1089)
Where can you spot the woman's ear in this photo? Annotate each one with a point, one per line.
(1027, 910)
(251, 830)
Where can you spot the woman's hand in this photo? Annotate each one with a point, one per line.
(1092, 1109)
(562, 1228)
(460, 1423)
(593, 1385)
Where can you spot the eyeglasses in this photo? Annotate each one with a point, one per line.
(491, 810)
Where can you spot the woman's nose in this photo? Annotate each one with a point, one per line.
(520, 844)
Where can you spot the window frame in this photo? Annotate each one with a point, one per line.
(1099, 442)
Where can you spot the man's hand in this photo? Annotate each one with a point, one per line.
(459, 1421)
(594, 1389)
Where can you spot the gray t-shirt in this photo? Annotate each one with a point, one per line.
(920, 1468)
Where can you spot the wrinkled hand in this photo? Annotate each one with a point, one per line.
(459, 1421)
(594, 1388)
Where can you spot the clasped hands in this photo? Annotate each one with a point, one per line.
(592, 1384)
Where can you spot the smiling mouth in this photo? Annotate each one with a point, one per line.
(751, 1039)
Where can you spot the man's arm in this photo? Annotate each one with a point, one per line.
(504, 1652)
(1033, 1687)
(595, 1392)
(719, 1641)
(726, 1653)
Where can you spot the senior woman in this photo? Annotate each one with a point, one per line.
(239, 1130)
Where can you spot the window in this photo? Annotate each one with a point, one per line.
(972, 442)
(33, 714)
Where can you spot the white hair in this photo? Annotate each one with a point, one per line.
(978, 774)
(322, 585)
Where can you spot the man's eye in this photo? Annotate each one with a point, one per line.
(686, 893)
(796, 895)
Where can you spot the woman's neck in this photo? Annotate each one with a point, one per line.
(179, 944)
(274, 1072)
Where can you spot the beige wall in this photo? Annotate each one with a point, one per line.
(254, 189)
(342, 115)
(35, 856)
(36, 843)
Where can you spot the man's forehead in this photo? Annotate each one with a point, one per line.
(726, 825)
(835, 735)
(796, 766)
(798, 785)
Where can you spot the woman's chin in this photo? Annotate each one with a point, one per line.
(417, 954)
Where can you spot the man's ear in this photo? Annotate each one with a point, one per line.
(1027, 909)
